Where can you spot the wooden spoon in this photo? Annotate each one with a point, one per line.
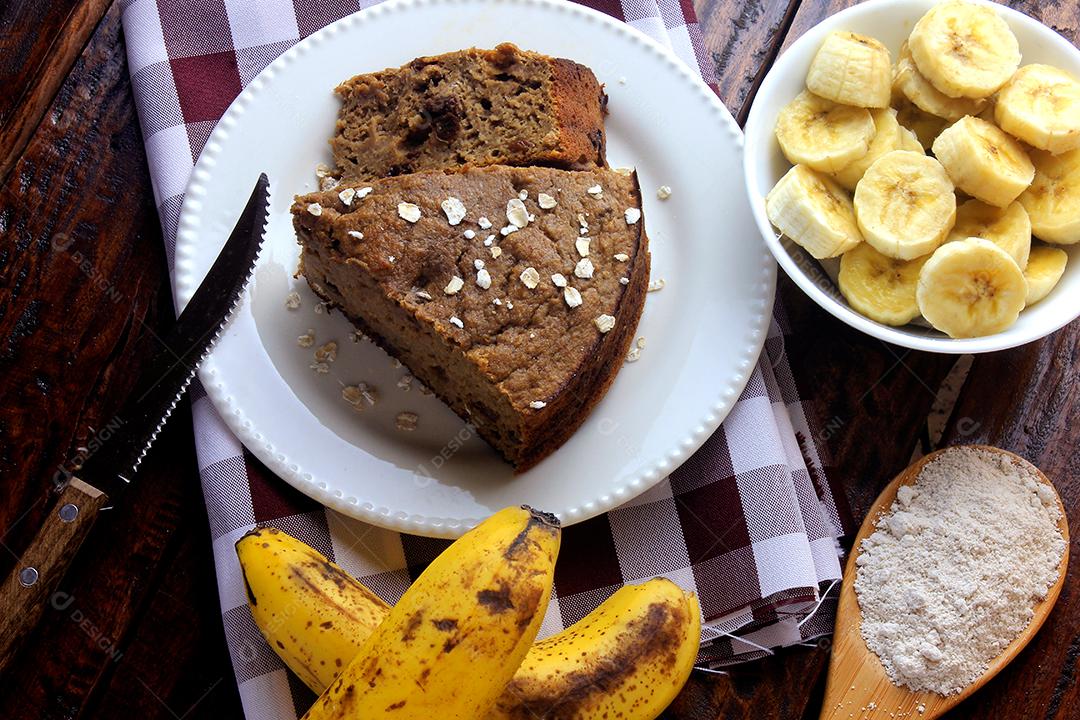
(857, 686)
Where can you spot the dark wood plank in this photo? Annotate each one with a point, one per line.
(742, 39)
(39, 42)
(83, 291)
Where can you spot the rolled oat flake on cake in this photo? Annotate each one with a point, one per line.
(408, 211)
(454, 209)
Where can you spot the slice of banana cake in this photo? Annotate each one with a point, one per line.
(471, 107)
(513, 293)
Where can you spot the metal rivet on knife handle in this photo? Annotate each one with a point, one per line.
(69, 512)
(28, 576)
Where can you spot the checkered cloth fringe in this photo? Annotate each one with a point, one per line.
(749, 522)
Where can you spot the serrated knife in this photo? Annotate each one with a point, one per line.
(104, 475)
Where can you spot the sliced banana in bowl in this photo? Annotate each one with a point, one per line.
(905, 205)
(971, 288)
(1000, 172)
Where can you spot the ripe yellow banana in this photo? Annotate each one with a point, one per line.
(627, 659)
(1009, 228)
(880, 287)
(887, 138)
(1045, 268)
(814, 212)
(458, 634)
(909, 82)
(1053, 200)
(905, 205)
(308, 609)
(819, 133)
(970, 288)
(1041, 106)
(983, 161)
(966, 50)
(851, 69)
(633, 653)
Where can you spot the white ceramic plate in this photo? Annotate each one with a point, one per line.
(703, 332)
(891, 21)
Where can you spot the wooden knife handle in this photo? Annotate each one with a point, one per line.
(32, 582)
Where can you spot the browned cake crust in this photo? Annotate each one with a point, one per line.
(472, 107)
(518, 362)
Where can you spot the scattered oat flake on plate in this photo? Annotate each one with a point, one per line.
(322, 170)
(545, 201)
(582, 246)
(357, 335)
(484, 223)
(622, 257)
(604, 323)
(315, 209)
(559, 280)
(483, 278)
(537, 404)
(356, 234)
(622, 80)
(632, 215)
(571, 296)
(663, 192)
(292, 300)
(352, 395)
(596, 191)
(320, 367)
(405, 382)
(456, 322)
(327, 352)
(408, 211)
(454, 285)
(346, 196)
(516, 214)
(454, 209)
(406, 421)
(584, 269)
(530, 277)
(657, 285)
(320, 308)
(307, 339)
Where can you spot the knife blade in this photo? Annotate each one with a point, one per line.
(106, 473)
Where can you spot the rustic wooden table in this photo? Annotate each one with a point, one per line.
(137, 630)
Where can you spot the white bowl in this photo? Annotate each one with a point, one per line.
(891, 21)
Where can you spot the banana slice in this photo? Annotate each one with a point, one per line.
(851, 69)
(880, 287)
(1053, 200)
(1044, 269)
(910, 141)
(971, 288)
(886, 139)
(1041, 106)
(819, 133)
(909, 82)
(965, 50)
(904, 204)
(1009, 228)
(983, 161)
(814, 212)
(922, 124)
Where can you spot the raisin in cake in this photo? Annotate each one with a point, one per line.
(513, 293)
(472, 107)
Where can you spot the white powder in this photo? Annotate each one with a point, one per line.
(951, 574)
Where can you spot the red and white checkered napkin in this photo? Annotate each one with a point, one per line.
(743, 523)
